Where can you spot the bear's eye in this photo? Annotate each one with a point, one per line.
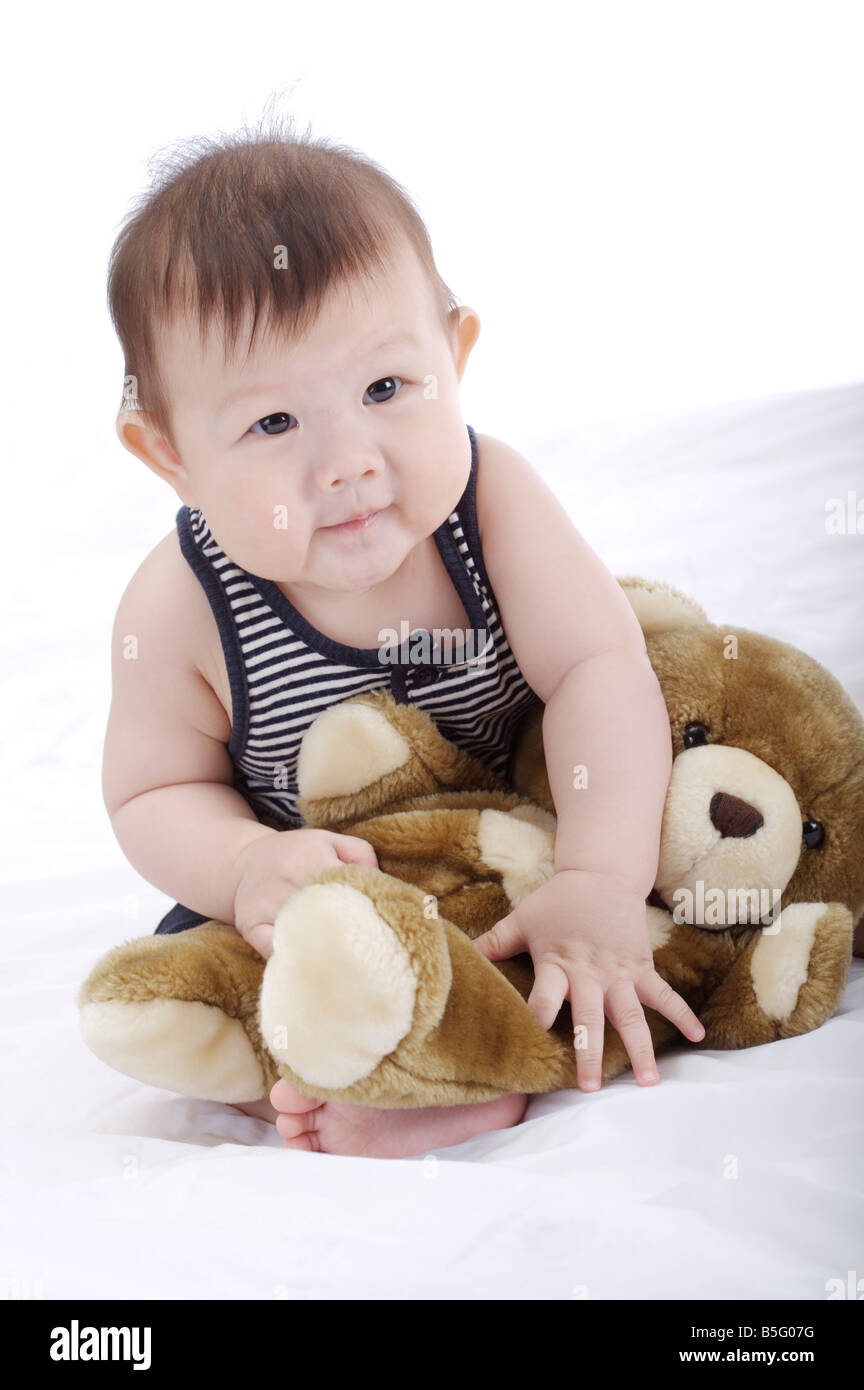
(814, 833)
(694, 734)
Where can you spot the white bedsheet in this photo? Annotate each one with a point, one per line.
(115, 1189)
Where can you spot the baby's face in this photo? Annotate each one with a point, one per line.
(361, 414)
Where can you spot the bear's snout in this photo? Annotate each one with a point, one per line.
(732, 816)
(731, 823)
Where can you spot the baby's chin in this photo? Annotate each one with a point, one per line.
(340, 561)
(322, 572)
(360, 559)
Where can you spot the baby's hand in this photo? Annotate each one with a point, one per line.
(268, 870)
(587, 934)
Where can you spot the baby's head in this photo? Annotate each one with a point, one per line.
(293, 357)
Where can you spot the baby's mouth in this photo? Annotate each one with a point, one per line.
(357, 524)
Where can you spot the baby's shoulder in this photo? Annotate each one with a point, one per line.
(506, 481)
(164, 602)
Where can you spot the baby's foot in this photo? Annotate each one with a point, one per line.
(361, 1131)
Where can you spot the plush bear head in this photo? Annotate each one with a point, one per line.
(765, 805)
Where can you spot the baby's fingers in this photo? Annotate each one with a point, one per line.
(628, 1016)
(654, 991)
(548, 994)
(260, 938)
(586, 1008)
(351, 849)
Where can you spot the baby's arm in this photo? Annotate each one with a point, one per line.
(608, 756)
(167, 777)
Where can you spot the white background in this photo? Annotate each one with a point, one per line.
(651, 206)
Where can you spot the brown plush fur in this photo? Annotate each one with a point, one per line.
(458, 848)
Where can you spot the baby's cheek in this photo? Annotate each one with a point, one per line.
(268, 545)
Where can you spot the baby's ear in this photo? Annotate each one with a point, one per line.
(465, 335)
(129, 416)
(139, 435)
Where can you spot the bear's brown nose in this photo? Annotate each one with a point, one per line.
(734, 817)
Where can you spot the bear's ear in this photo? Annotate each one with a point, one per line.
(659, 606)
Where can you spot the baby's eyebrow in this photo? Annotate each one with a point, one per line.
(255, 388)
(394, 339)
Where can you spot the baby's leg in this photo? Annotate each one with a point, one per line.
(362, 1130)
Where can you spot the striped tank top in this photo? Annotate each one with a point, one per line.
(283, 672)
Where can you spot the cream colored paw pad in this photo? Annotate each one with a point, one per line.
(338, 992)
(520, 848)
(347, 748)
(780, 962)
(179, 1045)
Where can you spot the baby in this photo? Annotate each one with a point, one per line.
(293, 362)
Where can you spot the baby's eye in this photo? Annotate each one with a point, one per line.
(272, 424)
(383, 390)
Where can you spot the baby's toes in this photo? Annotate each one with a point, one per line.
(310, 1143)
(284, 1096)
(298, 1122)
(299, 1131)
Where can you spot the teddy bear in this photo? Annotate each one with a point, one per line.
(374, 993)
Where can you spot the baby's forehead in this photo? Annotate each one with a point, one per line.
(216, 358)
(217, 342)
(350, 308)
(349, 325)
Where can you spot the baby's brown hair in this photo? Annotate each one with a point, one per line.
(203, 240)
